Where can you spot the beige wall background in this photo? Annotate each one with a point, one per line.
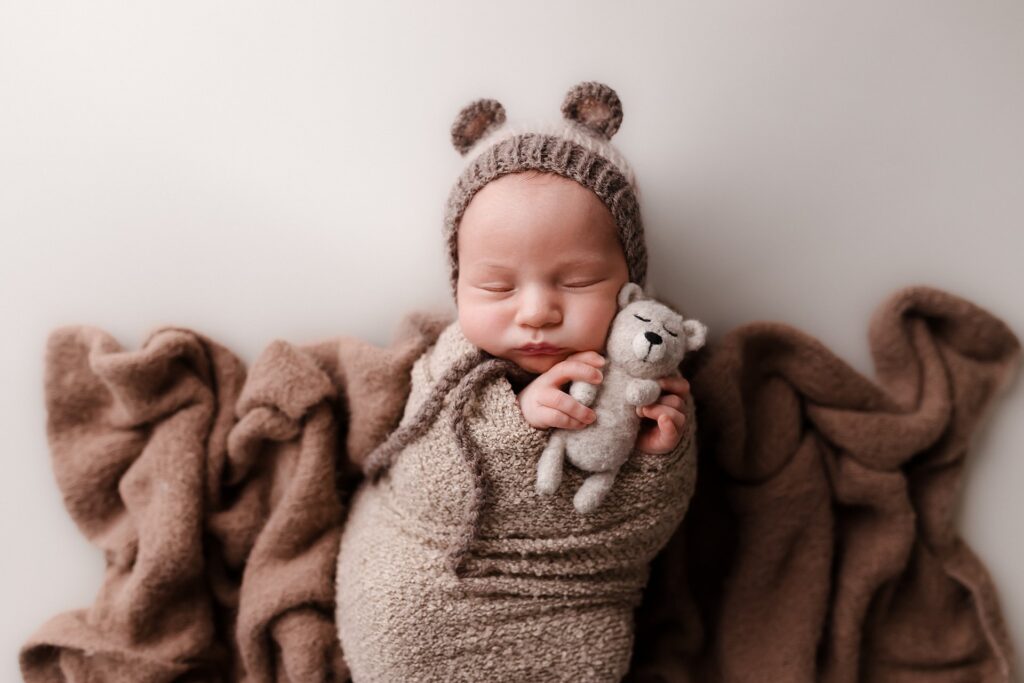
(260, 170)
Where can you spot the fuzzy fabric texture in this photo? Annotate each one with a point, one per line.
(214, 494)
(647, 341)
(819, 545)
(540, 594)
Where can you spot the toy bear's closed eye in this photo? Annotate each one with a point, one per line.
(647, 341)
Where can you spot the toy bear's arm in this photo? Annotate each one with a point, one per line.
(584, 392)
(642, 392)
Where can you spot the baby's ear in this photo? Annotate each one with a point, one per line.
(474, 121)
(696, 334)
(629, 293)
(594, 106)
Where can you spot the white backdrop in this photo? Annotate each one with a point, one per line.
(261, 170)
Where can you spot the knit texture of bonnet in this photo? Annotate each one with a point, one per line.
(577, 147)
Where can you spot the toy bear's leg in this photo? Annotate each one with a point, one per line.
(593, 491)
(549, 467)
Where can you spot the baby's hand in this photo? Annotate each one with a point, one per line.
(663, 434)
(543, 402)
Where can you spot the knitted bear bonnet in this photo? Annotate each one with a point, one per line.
(577, 147)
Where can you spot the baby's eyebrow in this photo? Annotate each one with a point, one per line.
(582, 262)
(568, 263)
(492, 264)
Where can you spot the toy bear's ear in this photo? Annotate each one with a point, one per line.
(696, 334)
(629, 293)
(474, 121)
(594, 106)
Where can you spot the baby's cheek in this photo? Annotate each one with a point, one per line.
(604, 322)
(481, 325)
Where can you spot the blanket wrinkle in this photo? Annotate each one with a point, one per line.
(820, 543)
(130, 433)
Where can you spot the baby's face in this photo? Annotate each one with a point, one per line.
(539, 263)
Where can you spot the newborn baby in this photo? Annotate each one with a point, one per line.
(541, 267)
(450, 566)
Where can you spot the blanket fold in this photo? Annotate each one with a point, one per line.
(820, 544)
(135, 439)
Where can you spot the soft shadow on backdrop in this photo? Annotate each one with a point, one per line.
(259, 170)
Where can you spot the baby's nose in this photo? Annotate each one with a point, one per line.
(652, 337)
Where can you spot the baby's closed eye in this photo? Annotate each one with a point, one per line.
(582, 283)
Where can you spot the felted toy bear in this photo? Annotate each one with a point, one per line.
(646, 341)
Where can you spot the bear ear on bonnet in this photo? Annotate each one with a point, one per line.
(594, 106)
(474, 121)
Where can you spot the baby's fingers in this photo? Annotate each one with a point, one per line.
(556, 418)
(665, 415)
(675, 384)
(570, 370)
(669, 400)
(665, 434)
(672, 401)
(565, 403)
(674, 388)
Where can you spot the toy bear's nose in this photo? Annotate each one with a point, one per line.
(652, 337)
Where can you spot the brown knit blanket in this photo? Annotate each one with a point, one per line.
(819, 546)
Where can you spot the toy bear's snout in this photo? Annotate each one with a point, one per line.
(649, 347)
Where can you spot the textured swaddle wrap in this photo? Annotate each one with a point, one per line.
(541, 592)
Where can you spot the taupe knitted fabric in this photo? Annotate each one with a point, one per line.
(541, 592)
(818, 548)
(578, 147)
